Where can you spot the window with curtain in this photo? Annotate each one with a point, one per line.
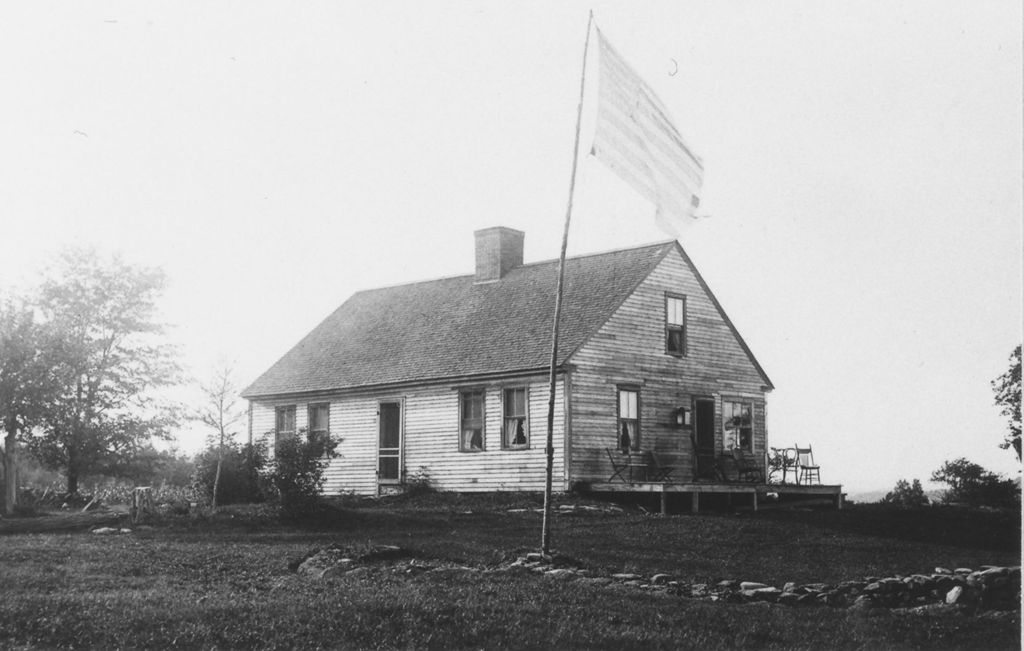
(675, 324)
(319, 421)
(738, 425)
(471, 438)
(629, 419)
(284, 423)
(515, 434)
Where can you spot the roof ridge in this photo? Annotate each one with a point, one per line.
(528, 264)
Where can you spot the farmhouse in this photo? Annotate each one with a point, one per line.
(448, 379)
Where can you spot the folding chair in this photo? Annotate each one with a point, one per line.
(617, 468)
(659, 471)
(807, 470)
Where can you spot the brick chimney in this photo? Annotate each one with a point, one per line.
(498, 250)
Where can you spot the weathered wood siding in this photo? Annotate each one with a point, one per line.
(630, 350)
(430, 418)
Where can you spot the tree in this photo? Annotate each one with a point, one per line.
(1007, 390)
(906, 495)
(24, 385)
(107, 366)
(971, 484)
(220, 412)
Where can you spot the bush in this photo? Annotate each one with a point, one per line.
(240, 480)
(971, 484)
(419, 482)
(906, 495)
(297, 472)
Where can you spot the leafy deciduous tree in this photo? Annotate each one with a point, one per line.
(110, 359)
(1007, 390)
(971, 484)
(23, 385)
(906, 495)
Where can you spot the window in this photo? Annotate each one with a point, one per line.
(471, 438)
(675, 324)
(515, 435)
(319, 421)
(284, 423)
(629, 419)
(738, 425)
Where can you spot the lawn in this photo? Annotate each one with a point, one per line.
(228, 581)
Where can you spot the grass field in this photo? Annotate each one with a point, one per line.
(226, 581)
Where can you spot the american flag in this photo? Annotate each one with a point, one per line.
(636, 139)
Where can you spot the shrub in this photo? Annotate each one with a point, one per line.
(240, 480)
(418, 483)
(971, 484)
(906, 495)
(297, 472)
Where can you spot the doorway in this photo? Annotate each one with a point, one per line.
(389, 451)
(704, 437)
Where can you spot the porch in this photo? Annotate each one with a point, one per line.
(755, 495)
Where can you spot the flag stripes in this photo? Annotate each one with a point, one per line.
(636, 139)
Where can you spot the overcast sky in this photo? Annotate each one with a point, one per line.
(863, 173)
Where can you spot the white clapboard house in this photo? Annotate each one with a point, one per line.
(448, 379)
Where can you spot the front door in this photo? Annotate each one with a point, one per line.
(389, 453)
(704, 437)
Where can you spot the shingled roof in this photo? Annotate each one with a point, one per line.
(456, 327)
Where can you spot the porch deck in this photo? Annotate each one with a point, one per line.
(804, 494)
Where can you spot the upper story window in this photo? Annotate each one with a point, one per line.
(471, 436)
(284, 423)
(675, 324)
(738, 425)
(319, 421)
(515, 433)
(629, 419)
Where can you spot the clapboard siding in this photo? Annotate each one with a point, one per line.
(629, 349)
(430, 418)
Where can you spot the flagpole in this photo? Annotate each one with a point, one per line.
(545, 536)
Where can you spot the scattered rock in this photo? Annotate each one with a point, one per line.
(561, 573)
(752, 585)
(626, 577)
(862, 603)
